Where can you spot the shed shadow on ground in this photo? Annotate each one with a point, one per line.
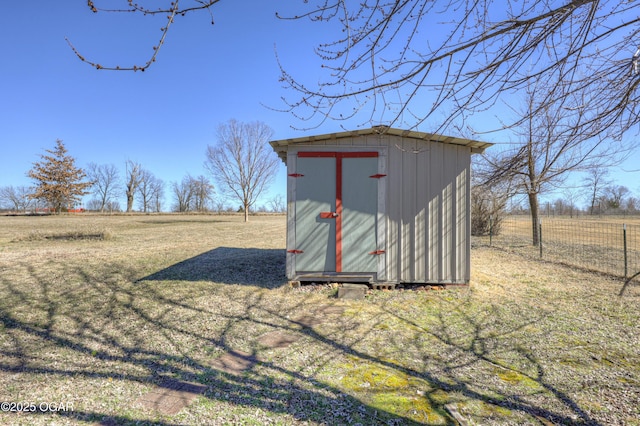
(230, 265)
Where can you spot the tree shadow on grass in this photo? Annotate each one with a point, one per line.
(111, 332)
(230, 265)
(96, 325)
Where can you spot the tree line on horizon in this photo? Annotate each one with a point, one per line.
(596, 194)
(241, 163)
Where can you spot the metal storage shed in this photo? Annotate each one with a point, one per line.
(378, 205)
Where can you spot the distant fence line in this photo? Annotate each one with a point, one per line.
(611, 246)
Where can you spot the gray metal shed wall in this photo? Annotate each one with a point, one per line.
(428, 222)
(423, 207)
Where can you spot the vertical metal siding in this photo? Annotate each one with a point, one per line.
(394, 211)
(423, 168)
(408, 203)
(436, 179)
(427, 212)
(291, 214)
(381, 232)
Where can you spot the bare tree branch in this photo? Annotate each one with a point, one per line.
(552, 145)
(420, 62)
(465, 65)
(172, 11)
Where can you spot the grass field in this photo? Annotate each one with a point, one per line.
(593, 243)
(96, 312)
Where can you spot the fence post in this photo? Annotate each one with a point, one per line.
(540, 236)
(490, 230)
(624, 239)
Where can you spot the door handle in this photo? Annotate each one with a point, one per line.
(328, 215)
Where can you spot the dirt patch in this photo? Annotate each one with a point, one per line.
(277, 339)
(234, 362)
(171, 396)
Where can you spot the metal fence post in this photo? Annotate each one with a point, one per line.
(624, 240)
(540, 236)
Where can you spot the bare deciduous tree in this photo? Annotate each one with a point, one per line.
(632, 204)
(278, 204)
(133, 177)
(595, 181)
(157, 195)
(149, 188)
(202, 193)
(242, 162)
(192, 194)
(106, 183)
(183, 194)
(16, 197)
(489, 197)
(551, 146)
(614, 195)
(571, 196)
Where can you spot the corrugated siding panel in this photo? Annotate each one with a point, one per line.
(434, 240)
(423, 168)
(291, 216)
(408, 190)
(394, 211)
(427, 205)
(447, 232)
(381, 235)
(463, 185)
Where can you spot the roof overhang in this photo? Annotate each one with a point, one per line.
(477, 147)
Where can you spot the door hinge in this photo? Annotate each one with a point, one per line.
(295, 251)
(377, 252)
(377, 176)
(296, 175)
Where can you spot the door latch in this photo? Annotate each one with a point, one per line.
(328, 215)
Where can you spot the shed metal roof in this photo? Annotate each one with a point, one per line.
(475, 145)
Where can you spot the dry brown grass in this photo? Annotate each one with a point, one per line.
(98, 323)
(592, 243)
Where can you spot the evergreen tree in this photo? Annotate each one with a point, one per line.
(58, 181)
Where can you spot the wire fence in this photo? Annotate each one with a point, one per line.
(611, 246)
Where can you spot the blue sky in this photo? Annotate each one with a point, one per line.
(165, 117)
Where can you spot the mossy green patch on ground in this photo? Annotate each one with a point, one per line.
(368, 375)
(393, 391)
(516, 378)
(417, 408)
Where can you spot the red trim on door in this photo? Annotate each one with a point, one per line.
(295, 251)
(339, 214)
(325, 154)
(316, 154)
(357, 154)
(377, 252)
(376, 176)
(328, 215)
(296, 175)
